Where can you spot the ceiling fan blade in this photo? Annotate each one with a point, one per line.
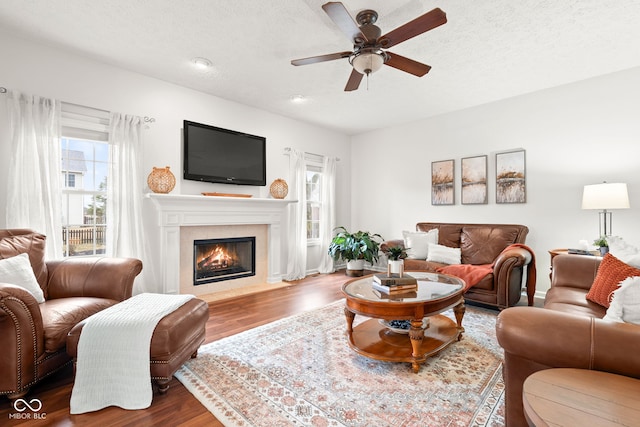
(407, 65)
(354, 81)
(321, 58)
(341, 17)
(421, 24)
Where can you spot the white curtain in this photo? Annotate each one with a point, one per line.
(297, 233)
(125, 237)
(328, 213)
(35, 172)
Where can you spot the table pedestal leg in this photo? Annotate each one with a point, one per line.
(350, 316)
(459, 310)
(416, 334)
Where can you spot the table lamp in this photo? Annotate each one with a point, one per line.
(605, 196)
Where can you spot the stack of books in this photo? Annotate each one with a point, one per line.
(394, 283)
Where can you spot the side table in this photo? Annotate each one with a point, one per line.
(554, 252)
(580, 397)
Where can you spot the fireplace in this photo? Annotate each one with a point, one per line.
(215, 260)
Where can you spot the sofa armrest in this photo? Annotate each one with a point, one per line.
(511, 258)
(21, 338)
(100, 277)
(534, 339)
(574, 271)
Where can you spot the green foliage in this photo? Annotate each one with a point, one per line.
(396, 253)
(352, 246)
(601, 242)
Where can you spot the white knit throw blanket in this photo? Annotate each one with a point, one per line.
(112, 365)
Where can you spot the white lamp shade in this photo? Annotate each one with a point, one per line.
(367, 62)
(605, 196)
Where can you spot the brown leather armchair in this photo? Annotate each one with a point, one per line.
(484, 244)
(567, 333)
(32, 335)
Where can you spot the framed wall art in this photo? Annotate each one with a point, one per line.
(474, 180)
(442, 189)
(511, 177)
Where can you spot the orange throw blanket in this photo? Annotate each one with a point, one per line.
(473, 274)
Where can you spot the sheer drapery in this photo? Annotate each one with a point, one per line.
(328, 213)
(297, 232)
(35, 172)
(125, 236)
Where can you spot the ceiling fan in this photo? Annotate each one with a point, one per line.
(369, 46)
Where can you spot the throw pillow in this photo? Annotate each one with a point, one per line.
(624, 251)
(611, 272)
(417, 242)
(17, 271)
(444, 254)
(625, 304)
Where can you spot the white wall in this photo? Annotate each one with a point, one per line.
(41, 70)
(583, 133)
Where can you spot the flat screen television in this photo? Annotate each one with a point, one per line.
(213, 154)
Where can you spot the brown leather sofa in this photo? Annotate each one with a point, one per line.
(483, 244)
(32, 335)
(567, 333)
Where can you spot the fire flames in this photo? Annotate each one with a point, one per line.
(217, 258)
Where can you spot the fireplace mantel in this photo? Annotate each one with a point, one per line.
(175, 211)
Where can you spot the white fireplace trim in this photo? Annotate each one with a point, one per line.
(175, 211)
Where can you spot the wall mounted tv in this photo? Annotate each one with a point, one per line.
(214, 154)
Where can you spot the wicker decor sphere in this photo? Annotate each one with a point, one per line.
(161, 180)
(279, 189)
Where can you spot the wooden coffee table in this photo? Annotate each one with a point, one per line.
(436, 293)
(580, 397)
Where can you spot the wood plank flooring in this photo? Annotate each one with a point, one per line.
(178, 407)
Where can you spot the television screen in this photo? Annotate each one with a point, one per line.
(214, 154)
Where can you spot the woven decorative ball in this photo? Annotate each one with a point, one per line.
(279, 189)
(161, 180)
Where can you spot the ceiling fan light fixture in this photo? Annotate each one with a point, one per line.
(367, 61)
(201, 63)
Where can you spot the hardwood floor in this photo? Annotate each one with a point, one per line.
(178, 407)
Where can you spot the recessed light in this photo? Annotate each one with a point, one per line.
(201, 63)
(298, 99)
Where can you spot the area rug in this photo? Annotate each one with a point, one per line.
(300, 371)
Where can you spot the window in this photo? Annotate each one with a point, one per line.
(85, 165)
(314, 188)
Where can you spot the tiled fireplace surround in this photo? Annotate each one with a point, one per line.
(182, 219)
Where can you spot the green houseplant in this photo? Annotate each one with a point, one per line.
(396, 253)
(601, 243)
(355, 249)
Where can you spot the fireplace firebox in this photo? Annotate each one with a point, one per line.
(215, 260)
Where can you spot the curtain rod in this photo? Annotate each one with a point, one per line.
(146, 119)
(288, 150)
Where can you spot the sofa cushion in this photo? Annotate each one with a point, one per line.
(17, 271)
(572, 300)
(417, 242)
(443, 254)
(448, 234)
(59, 316)
(482, 244)
(611, 272)
(625, 305)
(32, 244)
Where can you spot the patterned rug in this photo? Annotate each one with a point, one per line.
(300, 371)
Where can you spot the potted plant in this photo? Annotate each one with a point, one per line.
(601, 243)
(355, 249)
(396, 256)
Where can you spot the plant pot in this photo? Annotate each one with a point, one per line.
(604, 250)
(395, 266)
(355, 268)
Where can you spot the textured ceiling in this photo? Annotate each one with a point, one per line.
(488, 50)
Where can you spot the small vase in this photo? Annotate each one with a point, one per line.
(161, 180)
(395, 266)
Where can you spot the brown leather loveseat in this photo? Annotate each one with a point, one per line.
(482, 244)
(33, 335)
(567, 333)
